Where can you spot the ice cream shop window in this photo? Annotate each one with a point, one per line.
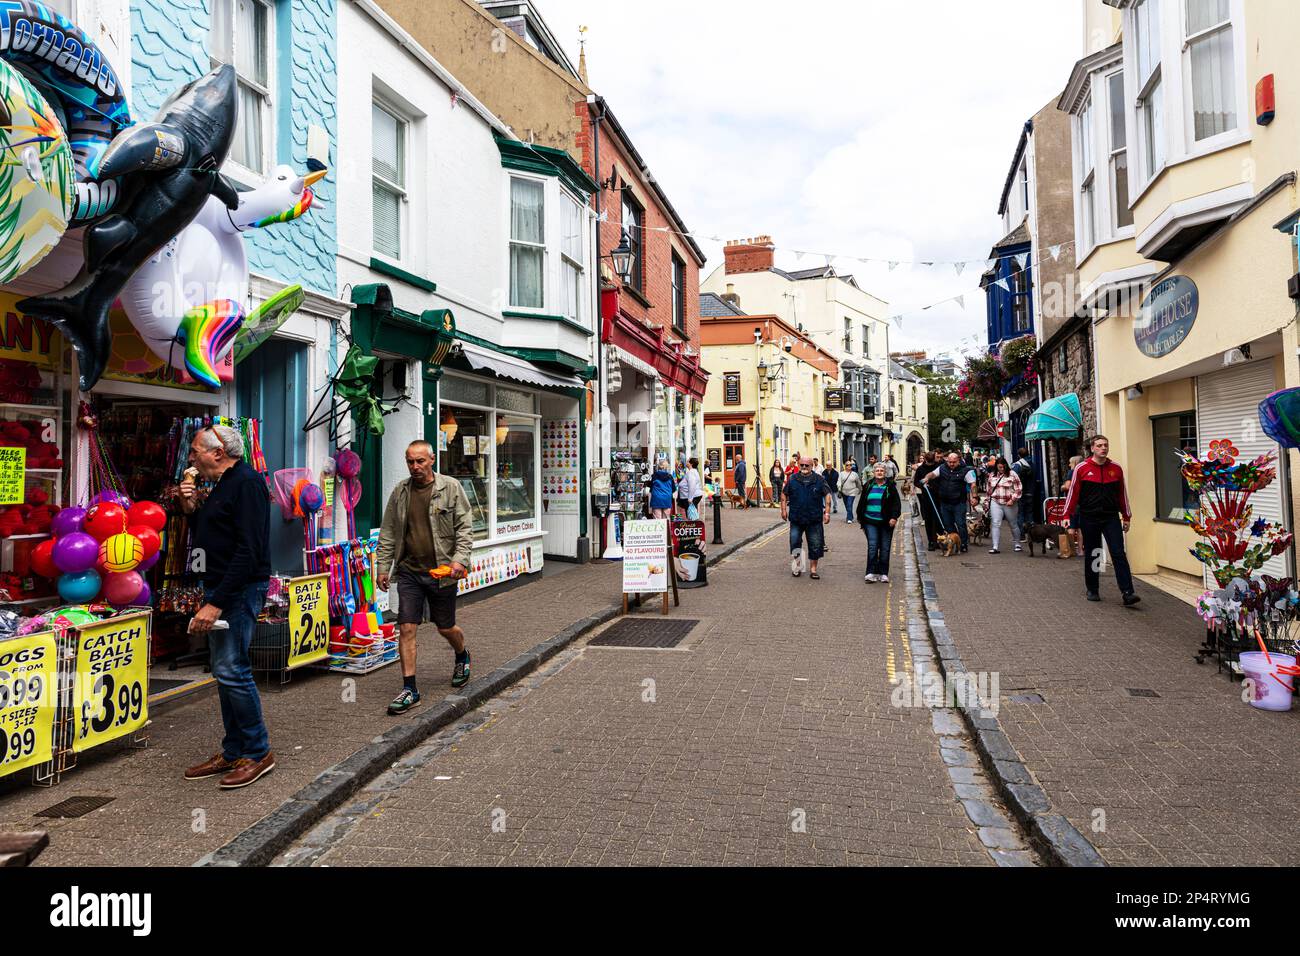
(516, 438)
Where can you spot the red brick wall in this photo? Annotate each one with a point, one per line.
(741, 256)
(658, 245)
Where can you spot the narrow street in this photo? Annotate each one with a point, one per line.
(766, 737)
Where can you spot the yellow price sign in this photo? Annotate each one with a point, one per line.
(309, 620)
(13, 475)
(111, 693)
(27, 701)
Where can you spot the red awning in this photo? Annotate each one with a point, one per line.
(675, 369)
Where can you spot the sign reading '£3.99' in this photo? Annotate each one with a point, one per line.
(309, 621)
(111, 694)
(27, 684)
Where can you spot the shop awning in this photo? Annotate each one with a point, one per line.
(1059, 417)
(627, 358)
(507, 366)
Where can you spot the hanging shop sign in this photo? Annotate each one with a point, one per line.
(645, 556)
(688, 554)
(111, 691)
(834, 399)
(731, 388)
(13, 470)
(1167, 315)
(560, 449)
(27, 701)
(309, 620)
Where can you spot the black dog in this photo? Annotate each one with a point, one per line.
(1041, 534)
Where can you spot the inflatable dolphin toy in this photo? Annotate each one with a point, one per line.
(176, 161)
(186, 301)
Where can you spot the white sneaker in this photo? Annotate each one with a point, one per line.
(883, 578)
(872, 578)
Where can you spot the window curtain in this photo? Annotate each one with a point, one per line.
(1214, 108)
(526, 226)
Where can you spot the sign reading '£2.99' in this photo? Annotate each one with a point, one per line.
(27, 685)
(111, 694)
(1167, 315)
(309, 621)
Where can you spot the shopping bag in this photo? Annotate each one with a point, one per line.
(692, 513)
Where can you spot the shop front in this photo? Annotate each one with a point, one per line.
(1207, 341)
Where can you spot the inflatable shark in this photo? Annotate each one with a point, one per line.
(176, 160)
(187, 300)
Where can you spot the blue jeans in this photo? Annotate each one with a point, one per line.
(879, 539)
(241, 707)
(816, 539)
(848, 506)
(1093, 530)
(952, 516)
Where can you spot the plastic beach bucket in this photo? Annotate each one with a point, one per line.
(1272, 689)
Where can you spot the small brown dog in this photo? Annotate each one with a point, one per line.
(1041, 534)
(951, 543)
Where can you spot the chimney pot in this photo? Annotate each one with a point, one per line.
(755, 254)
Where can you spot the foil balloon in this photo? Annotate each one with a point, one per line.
(185, 299)
(1279, 416)
(170, 167)
(36, 176)
(79, 82)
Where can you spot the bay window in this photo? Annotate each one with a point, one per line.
(572, 259)
(1150, 108)
(1121, 214)
(1207, 40)
(1087, 172)
(527, 242)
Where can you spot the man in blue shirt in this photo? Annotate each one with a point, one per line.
(806, 504)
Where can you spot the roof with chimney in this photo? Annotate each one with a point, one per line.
(821, 272)
(713, 305)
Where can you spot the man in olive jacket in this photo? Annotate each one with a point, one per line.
(427, 525)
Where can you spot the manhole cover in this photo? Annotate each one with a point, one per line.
(75, 806)
(1141, 692)
(631, 632)
(1026, 699)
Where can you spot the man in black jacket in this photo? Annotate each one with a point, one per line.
(832, 479)
(232, 530)
(953, 485)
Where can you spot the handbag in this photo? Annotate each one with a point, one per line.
(692, 513)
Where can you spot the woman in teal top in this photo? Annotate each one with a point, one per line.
(879, 507)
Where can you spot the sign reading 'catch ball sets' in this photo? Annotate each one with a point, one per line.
(1167, 316)
(111, 693)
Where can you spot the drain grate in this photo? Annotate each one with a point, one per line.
(75, 806)
(1141, 692)
(631, 632)
(1026, 699)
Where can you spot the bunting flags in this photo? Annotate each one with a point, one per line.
(1055, 252)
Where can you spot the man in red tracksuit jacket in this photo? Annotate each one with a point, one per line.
(1098, 506)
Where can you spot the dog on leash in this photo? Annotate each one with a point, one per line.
(978, 526)
(1041, 534)
(951, 543)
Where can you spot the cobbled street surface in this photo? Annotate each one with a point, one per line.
(767, 737)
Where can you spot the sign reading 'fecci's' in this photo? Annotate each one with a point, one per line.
(1167, 316)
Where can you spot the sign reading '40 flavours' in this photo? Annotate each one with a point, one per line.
(27, 686)
(111, 694)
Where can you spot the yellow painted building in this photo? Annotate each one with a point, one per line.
(1184, 196)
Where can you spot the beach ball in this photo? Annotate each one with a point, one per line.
(42, 559)
(75, 553)
(122, 589)
(36, 178)
(78, 587)
(147, 537)
(121, 552)
(148, 513)
(67, 521)
(105, 520)
(75, 615)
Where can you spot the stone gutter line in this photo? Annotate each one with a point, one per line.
(271, 835)
(1056, 838)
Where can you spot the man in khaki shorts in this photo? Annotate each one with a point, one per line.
(427, 524)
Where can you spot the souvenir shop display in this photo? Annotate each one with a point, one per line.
(1245, 610)
(360, 641)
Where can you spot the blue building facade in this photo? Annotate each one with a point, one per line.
(1009, 296)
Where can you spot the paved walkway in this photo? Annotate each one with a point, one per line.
(158, 818)
(767, 737)
(1190, 776)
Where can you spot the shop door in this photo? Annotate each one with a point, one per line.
(729, 452)
(1227, 406)
(271, 386)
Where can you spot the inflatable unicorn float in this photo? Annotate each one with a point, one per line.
(186, 301)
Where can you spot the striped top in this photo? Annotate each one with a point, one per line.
(875, 506)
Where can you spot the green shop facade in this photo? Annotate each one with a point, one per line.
(512, 423)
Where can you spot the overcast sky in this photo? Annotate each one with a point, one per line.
(867, 128)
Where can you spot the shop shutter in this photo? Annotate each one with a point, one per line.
(1227, 406)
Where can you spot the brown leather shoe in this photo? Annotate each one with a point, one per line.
(247, 771)
(210, 768)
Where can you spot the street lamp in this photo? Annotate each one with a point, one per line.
(621, 257)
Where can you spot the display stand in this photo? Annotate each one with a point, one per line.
(639, 596)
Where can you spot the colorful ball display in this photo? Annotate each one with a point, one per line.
(147, 513)
(347, 463)
(75, 615)
(67, 521)
(122, 589)
(122, 552)
(78, 587)
(111, 497)
(105, 520)
(145, 596)
(42, 559)
(311, 498)
(149, 562)
(75, 553)
(147, 537)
